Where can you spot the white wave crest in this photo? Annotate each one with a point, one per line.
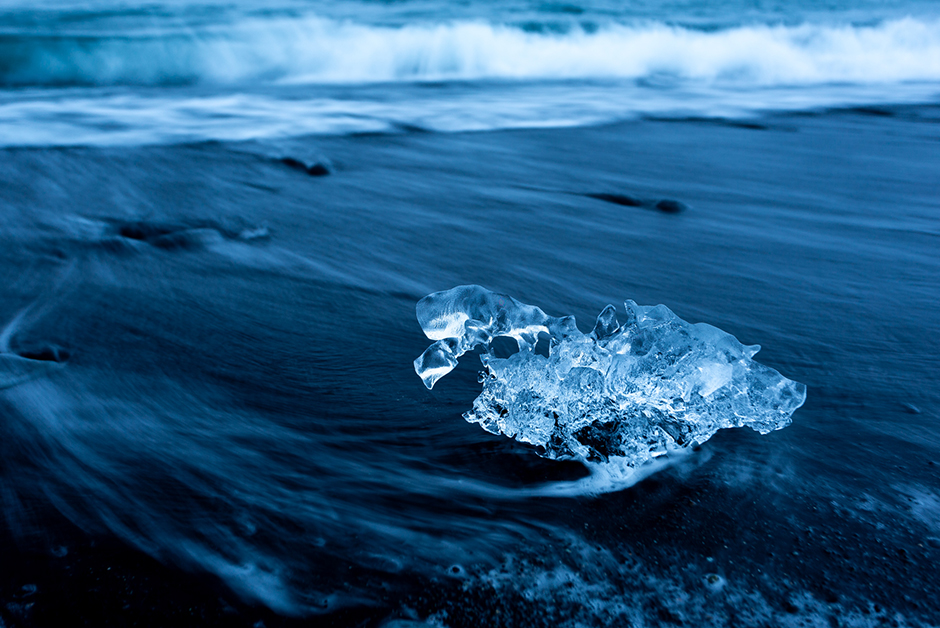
(900, 50)
(319, 50)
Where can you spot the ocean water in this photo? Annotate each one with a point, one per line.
(142, 73)
(216, 220)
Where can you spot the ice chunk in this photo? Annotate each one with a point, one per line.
(628, 392)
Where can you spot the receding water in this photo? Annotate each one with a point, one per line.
(208, 408)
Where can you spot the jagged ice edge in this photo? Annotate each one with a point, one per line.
(646, 423)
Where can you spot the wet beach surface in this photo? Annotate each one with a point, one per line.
(226, 427)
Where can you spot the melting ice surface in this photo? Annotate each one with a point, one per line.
(617, 397)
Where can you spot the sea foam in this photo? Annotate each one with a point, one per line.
(312, 49)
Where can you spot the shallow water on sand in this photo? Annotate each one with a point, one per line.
(234, 393)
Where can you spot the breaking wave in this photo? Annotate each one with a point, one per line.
(319, 50)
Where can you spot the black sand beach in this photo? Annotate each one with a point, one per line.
(222, 424)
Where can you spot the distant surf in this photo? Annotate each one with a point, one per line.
(311, 49)
(172, 74)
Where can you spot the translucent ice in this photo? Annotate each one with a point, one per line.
(626, 393)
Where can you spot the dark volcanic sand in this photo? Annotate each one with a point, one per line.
(234, 432)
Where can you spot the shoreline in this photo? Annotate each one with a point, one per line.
(812, 235)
